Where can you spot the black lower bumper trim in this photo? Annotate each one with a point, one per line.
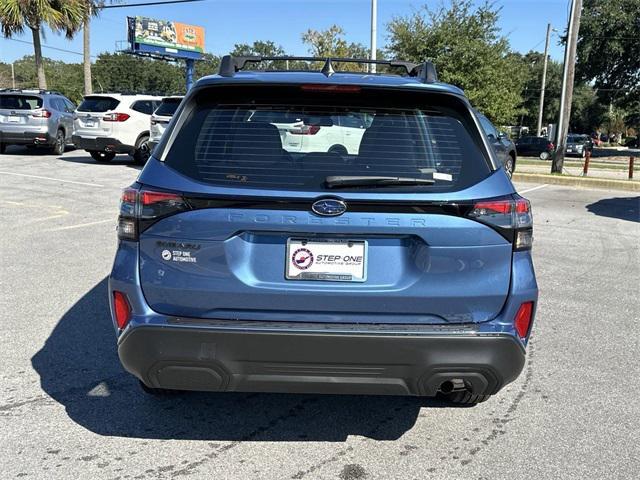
(210, 359)
(101, 144)
(26, 138)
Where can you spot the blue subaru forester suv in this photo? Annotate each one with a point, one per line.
(324, 232)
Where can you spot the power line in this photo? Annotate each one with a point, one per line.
(47, 46)
(169, 2)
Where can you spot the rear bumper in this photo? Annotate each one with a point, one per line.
(306, 359)
(27, 138)
(101, 144)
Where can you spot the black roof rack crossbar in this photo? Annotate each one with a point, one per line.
(426, 71)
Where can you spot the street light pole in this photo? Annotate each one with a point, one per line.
(374, 21)
(544, 81)
(567, 85)
(13, 77)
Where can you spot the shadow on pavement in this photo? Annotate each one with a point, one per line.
(125, 160)
(79, 368)
(623, 208)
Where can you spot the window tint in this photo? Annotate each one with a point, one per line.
(98, 104)
(20, 102)
(168, 107)
(254, 145)
(487, 126)
(70, 106)
(143, 106)
(351, 121)
(58, 104)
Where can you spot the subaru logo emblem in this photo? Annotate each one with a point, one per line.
(329, 207)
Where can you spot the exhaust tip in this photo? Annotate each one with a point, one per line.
(453, 385)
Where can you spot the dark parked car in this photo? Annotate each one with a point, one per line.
(246, 264)
(578, 145)
(502, 145)
(535, 147)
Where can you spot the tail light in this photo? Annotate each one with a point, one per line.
(305, 130)
(522, 322)
(330, 88)
(116, 117)
(122, 309)
(511, 216)
(41, 114)
(139, 209)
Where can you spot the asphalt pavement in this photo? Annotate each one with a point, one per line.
(69, 411)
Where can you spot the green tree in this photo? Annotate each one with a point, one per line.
(64, 16)
(260, 48)
(208, 66)
(331, 43)
(608, 52)
(465, 44)
(118, 72)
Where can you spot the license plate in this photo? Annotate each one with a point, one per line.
(14, 119)
(328, 260)
(89, 123)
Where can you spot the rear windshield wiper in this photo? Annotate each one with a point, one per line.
(341, 181)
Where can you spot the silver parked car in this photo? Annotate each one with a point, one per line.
(35, 118)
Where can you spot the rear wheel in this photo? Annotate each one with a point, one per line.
(143, 152)
(3, 147)
(339, 149)
(544, 156)
(509, 165)
(102, 156)
(58, 147)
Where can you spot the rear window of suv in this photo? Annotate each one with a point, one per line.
(168, 107)
(20, 102)
(98, 104)
(282, 139)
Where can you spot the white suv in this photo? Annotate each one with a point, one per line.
(302, 133)
(161, 118)
(106, 124)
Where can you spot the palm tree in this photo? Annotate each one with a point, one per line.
(92, 9)
(60, 15)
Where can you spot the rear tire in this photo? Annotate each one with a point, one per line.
(102, 157)
(544, 156)
(509, 166)
(3, 147)
(464, 397)
(143, 152)
(58, 147)
(339, 149)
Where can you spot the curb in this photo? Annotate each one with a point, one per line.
(585, 182)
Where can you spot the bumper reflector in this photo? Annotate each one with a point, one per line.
(522, 321)
(122, 309)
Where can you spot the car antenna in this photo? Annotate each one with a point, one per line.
(327, 69)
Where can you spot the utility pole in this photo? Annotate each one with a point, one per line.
(544, 80)
(13, 77)
(374, 21)
(86, 50)
(567, 85)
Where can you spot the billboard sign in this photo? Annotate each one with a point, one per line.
(166, 37)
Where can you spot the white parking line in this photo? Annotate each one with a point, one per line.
(81, 225)
(534, 188)
(54, 179)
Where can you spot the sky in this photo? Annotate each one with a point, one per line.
(228, 22)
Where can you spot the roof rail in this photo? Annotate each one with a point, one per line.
(40, 91)
(425, 72)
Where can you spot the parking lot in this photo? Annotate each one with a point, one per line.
(68, 410)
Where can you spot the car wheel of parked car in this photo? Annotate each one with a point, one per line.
(508, 166)
(102, 156)
(58, 147)
(3, 147)
(464, 397)
(544, 156)
(143, 152)
(339, 149)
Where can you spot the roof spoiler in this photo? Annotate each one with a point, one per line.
(425, 72)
